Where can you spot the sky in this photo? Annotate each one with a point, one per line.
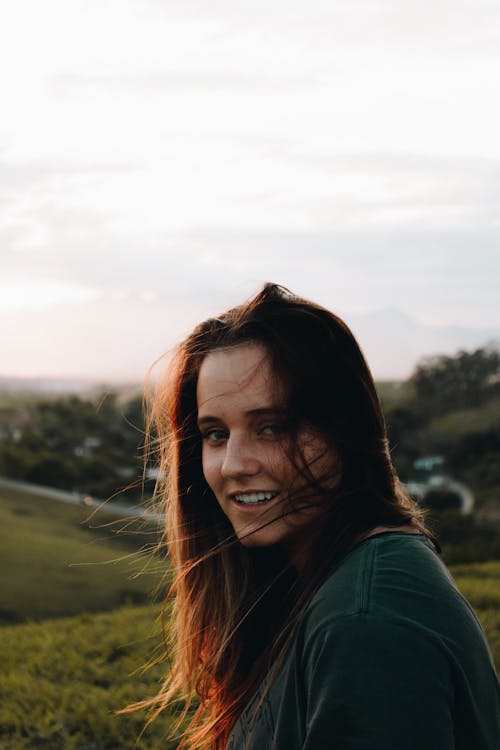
(161, 159)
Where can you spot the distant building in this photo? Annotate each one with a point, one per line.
(87, 447)
(431, 487)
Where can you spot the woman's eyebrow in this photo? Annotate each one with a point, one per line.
(206, 420)
(266, 410)
(262, 411)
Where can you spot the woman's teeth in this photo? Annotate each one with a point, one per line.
(254, 497)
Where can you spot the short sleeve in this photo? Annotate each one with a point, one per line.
(374, 684)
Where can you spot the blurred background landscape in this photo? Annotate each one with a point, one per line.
(159, 161)
(81, 600)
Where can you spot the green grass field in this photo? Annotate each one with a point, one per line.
(63, 681)
(56, 564)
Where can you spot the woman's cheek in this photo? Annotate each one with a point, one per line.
(208, 468)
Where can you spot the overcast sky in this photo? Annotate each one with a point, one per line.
(160, 159)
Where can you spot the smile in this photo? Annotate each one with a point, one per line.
(253, 498)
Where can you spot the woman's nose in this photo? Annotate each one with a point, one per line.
(240, 459)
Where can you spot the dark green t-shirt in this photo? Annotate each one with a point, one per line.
(389, 656)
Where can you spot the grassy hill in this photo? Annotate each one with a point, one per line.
(60, 563)
(63, 681)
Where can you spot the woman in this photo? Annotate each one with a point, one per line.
(310, 608)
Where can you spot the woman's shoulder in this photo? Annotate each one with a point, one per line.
(393, 586)
(358, 582)
(395, 576)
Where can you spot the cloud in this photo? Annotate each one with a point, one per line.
(435, 274)
(157, 81)
(442, 28)
(26, 293)
(43, 177)
(348, 150)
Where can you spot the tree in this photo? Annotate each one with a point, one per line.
(445, 383)
(70, 442)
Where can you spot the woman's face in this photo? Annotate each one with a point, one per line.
(246, 451)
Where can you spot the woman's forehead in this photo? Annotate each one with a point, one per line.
(241, 375)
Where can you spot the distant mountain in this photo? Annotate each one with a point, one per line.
(394, 342)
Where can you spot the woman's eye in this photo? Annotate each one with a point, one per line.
(272, 430)
(214, 435)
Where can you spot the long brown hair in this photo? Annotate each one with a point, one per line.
(223, 591)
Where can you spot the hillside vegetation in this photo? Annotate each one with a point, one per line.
(450, 406)
(78, 672)
(60, 564)
(92, 446)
